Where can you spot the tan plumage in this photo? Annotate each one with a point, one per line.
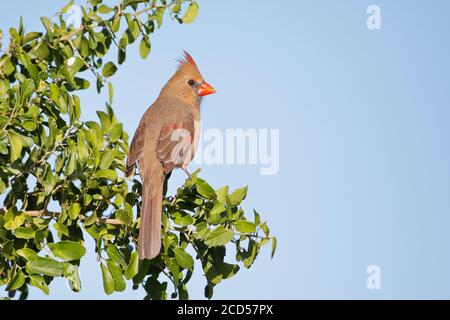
(165, 139)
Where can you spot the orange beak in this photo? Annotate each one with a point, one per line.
(205, 89)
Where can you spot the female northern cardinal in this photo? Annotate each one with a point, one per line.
(165, 139)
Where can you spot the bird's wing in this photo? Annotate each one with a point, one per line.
(176, 144)
(136, 148)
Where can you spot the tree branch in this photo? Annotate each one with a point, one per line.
(153, 6)
(53, 214)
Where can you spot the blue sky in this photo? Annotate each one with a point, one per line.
(363, 116)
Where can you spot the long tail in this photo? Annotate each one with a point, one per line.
(149, 243)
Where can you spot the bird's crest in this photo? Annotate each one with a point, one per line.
(186, 60)
(188, 66)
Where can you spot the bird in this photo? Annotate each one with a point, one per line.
(166, 138)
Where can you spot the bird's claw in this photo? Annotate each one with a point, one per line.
(187, 172)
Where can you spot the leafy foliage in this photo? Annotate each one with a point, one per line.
(49, 158)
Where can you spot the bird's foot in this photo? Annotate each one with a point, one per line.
(186, 170)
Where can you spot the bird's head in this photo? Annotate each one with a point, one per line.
(188, 82)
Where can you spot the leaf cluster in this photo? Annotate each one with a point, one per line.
(51, 160)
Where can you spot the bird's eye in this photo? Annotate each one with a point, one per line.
(191, 82)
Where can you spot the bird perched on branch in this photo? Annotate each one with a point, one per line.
(166, 138)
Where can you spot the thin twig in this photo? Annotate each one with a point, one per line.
(153, 6)
(251, 235)
(77, 53)
(74, 32)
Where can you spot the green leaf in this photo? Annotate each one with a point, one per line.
(109, 69)
(126, 216)
(204, 189)
(228, 209)
(116, 132)
(104, 9)
(209, 289)
(48, 27)
(176, 8)
(265, 228)
(31, 36)
(183, 293)
(41, 223)
(191, 13)
(3, 148)
(274, 246)
(221, 194)
(15, 34)
(106, 159)
(245, 226)
(16, 145)
(217, 209)
(74, 210)
(237, 196)
(105, 121)
(26, 253)
(75, 111)
(67, 250)
(144, 47)
(110, 92)
(81, 83)
(219, 237)
(94, 135)
(181, 218)
(144, 265)
(250, 254)
(213, 274)
(228, 270)
(114, 254)
(74, 65)
(183, 258)
(16, 282)
(159, 14)
(97, 2)
(6, 67)
(13, 219)
(7, 248)
(42, 50)
(216, 272)
(61, 228)
(45, 266)
(130, 22)
(91, 220)
(155, 289)
(121, 56)
(132, 268)
(27, 89)
(24, 233)
(67, 7)
(116, 273)
(174, 268)
(29, 125)
(257, 217)
(38, 281)
(108, 281)
(107, 174)
(72, 274)
(116, 24)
